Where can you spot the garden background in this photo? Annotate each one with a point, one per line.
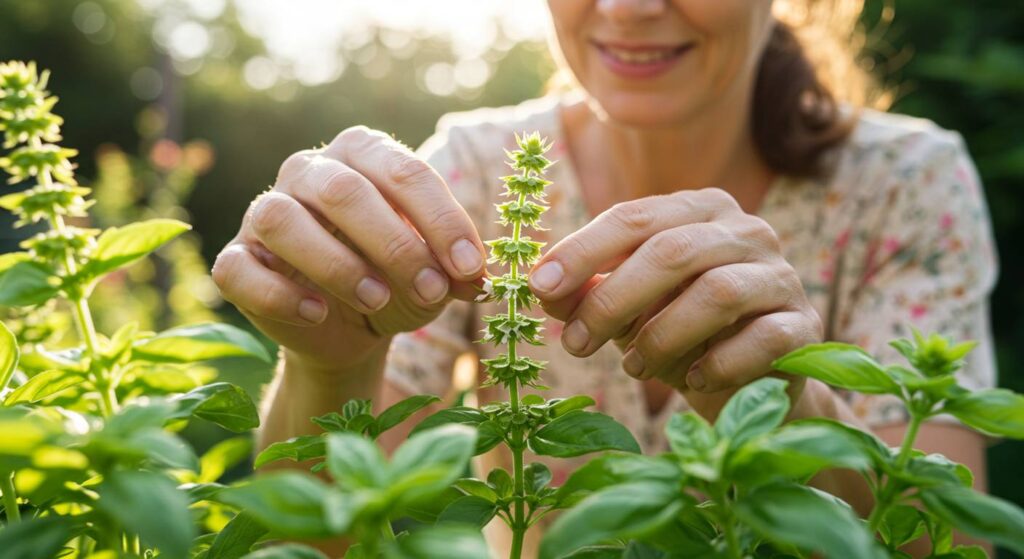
(185, 108)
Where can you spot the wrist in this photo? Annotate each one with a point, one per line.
(297, 366)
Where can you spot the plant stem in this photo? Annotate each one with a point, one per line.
(10, 497)
(519, 486)
(728, 522)
(887, 490)
(84, 321)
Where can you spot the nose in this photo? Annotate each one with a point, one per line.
(626, 10)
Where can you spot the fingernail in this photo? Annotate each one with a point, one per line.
(547, 277)
(466, 257)
(695, 379)
(372, 293)
(576, 336)
(633, 363)
(430, 285)
(313, 311)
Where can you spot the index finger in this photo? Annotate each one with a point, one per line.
(611, 237)
(419, 193)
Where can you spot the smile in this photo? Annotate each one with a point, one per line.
(640, 61)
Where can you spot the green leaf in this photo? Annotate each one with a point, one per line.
(355, 462)
(400, 412)
(501, 481)
(756, 408)
(580, 432)
(428, 462)
(286, 551)
(841, 365)
(289, 503)
(149, 504)
(597, 552)
(200, 342)
(977, 514)
(27, 283)
(35, 538)
(477, 488)
(163, 448)
(469, 510)
(536, 476)
(10, 351)
(933, 469)
(796, 452)
(440, 542)
(563, 406)
(222, 403)
(621, 511)
(695, 443)
(996, 411)
(223, 456)
(613, 469)
(43, 386)
(900, 525)
(237, 537)
(795, 515)
(119, 246)
(299, 449)
(489, 433)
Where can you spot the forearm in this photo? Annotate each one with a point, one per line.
(299, 392)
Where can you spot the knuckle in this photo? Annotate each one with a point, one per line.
(293, 166)
(270, 300)
(723, 288)
(672, 249)
(343, 188)
(603, 305)
(405, 170)
(400, 247)
(352, 136)
(652, 342)
(632, 216)
(447, 219)
(271, 213)
(720, 198)
(762, 232)
(337, 272)
(225, 269)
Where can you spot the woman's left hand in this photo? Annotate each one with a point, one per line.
(698, 294)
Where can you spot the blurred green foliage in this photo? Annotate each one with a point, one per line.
(961, 65)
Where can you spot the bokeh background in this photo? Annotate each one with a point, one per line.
(185, 108)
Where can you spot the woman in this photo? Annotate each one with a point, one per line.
(826, 223)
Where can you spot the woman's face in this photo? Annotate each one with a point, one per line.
(660, 62)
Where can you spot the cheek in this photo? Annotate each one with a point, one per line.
(567, 37)
(734, 32)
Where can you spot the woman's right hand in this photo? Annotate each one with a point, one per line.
(356, 241)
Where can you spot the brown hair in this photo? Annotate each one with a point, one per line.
(797, 120)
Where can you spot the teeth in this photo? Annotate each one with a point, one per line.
(640, 57)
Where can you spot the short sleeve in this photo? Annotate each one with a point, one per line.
(928, 261)
(421, 362)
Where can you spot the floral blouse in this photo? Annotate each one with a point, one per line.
(897, 236)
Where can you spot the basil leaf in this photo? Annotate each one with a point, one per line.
(287, 502)
(841, 365)
(10, 351)
(200, 342)
(580, 432)
(796, 452)
(489, 433)
(355, 462)
(222, 456)
(400, 412)
(756, 408)
(469, 510)
(43, 386)
(150, 505)
(304, 447)
(977, 514)
(996, 411)
(428, 462)
(440, 542)
(222, 403)
(35, 538)
(792, 514)
(237, 537)
(27, 283)
(621, 511)
(286, 551)
(120, 246)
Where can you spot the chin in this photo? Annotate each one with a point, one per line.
(642, 110)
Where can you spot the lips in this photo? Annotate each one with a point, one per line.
(632, 60)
